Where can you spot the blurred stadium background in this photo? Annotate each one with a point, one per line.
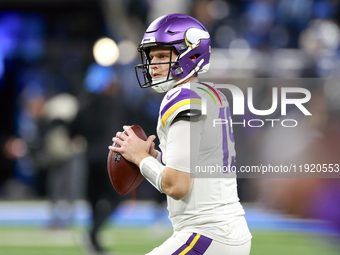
(54, 53)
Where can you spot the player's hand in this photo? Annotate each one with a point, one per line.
(132, 147)
(152, 150)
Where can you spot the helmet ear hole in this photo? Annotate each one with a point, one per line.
(194, 57)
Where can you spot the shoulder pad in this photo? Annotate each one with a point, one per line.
(188, 115)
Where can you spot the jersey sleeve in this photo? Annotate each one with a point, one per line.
(182, 151)
(177, 101)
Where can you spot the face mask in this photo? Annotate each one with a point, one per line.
(167, 85)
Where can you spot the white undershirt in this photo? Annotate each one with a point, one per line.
(183, 145)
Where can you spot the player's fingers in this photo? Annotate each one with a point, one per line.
(128, 130)
(123, 136)
(117, 141)
(152, 149)
(114, 149)
(120, 135)
(117, 135)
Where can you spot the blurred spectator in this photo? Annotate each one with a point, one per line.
(32, 168)
(66, 173)
(7, 100)
(11, 147)
(52, 158)
(101, 115)
(321, 41)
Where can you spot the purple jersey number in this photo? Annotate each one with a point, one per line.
(223, 113)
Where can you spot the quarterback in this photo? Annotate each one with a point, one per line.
(205, 212)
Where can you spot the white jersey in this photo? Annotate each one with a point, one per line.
(213, 202)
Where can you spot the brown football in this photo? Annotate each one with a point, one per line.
(124, 175)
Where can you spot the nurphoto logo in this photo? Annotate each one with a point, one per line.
(239, 106)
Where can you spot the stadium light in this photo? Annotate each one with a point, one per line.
(105, 52)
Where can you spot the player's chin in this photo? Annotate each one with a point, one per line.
(158, 78)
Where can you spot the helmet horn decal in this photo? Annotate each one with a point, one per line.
(193, 36)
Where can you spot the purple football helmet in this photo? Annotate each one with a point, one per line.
(179, 32)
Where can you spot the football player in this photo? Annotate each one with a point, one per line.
(206, 214)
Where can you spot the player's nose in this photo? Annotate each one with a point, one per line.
(154, 66)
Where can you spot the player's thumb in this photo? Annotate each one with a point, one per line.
(150, 139)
